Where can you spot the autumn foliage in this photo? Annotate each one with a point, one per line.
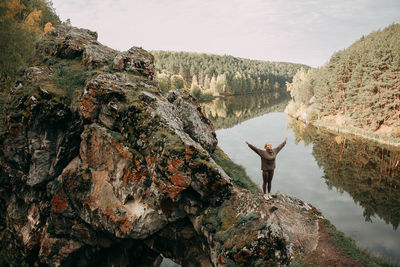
(22, 22)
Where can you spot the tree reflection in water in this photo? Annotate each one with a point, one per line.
(369, 172)
(225, 112)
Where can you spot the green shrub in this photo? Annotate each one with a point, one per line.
(244, 220)
(71, 76)
(236, 172)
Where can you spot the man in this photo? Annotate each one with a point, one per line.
(268, 157)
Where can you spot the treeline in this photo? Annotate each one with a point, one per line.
(219, 75)
(22, 22)
(359, 86)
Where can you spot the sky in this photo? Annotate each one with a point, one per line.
(298, 31)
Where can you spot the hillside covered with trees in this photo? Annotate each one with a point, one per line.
(22, 22)
(358, 90)
(221, 75)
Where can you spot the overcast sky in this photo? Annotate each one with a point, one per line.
(299, 31)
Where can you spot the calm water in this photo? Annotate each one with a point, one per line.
(355, 184)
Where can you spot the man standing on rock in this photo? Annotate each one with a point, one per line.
(268, 157)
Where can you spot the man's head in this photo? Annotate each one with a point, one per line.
(268, 146)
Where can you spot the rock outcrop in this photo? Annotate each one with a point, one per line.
(113, 172)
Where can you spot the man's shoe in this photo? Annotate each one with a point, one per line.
(267, 196)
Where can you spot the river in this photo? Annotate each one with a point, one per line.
(354, 183)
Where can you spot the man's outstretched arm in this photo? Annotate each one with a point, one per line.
(255, 149)
(278, 148)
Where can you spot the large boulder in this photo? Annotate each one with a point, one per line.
(107, 169)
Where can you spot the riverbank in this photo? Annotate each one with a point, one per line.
(355, 132)
(338, 125)
(334, 248)
(349, 130)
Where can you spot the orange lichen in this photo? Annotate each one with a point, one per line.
(144, 137)
(189, 151)
(138, 165)
(133, 175)
(124, 152)
(152, 70)
(59, 202)
(221, 260)
(177, 177)
(110, 213)
(120, 64)
(174, 164)
(173, 191)
(13, 131)
(89, 201)
(150, 160)
(88, 104)
(125, 225)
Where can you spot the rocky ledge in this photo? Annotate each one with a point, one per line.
(98, 167)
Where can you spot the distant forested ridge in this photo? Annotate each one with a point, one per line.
(357, 90)
(221, 75)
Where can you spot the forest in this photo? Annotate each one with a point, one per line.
(359, 87)
(22, 23)
(204, 74)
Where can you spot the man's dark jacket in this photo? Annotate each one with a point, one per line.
(268, 157)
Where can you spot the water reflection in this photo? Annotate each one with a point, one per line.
(303, 171)
(226, 112)
(354, 183)
(370, 173)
